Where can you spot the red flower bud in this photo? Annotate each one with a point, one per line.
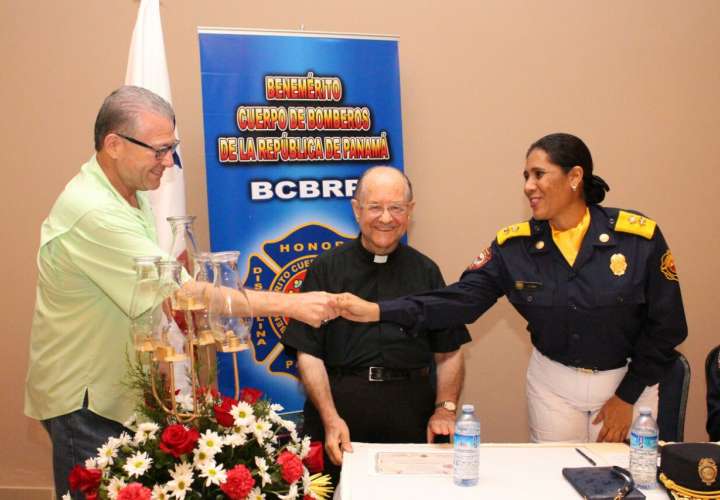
(250, 395)
(222, 412)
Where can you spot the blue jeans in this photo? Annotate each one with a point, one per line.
(76, 437)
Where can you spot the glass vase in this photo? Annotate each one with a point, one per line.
(143, 311)
(229, 308)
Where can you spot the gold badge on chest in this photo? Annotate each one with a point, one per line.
(618, 264)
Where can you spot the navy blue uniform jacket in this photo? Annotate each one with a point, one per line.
(586, 315)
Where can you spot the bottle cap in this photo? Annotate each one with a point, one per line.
(645, 410)
(468, 408)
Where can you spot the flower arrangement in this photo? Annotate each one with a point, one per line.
(234, 449)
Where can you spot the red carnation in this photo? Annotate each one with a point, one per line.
(222, 412)
(250, 395)
(85, 480)
(314, 459)
(291, 467)
(239, 483)
(178, 440)
(134, 491)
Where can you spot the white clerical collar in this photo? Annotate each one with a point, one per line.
(380, 259)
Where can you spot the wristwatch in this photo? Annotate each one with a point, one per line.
(448, 405)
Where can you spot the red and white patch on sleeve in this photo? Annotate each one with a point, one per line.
(481, 259)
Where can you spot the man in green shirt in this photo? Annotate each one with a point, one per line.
(80, 328)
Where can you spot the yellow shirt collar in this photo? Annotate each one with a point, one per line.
(570, 240)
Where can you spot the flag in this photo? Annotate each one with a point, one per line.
(147, 67)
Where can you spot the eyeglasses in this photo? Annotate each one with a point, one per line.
(159, 152)
(395, 209)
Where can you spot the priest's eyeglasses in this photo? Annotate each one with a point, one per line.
(395, 209)
(159, 152)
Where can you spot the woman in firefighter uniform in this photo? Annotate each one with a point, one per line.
(597, 286)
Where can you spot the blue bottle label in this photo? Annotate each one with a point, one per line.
(466, 441)
(645, 442)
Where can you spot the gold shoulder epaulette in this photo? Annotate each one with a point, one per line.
(521, 229)
(635, 224)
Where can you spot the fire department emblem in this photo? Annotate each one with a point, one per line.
(281, 268)
(667, 266)
(481, 259)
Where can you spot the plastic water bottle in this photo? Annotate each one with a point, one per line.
(466, 448)
(644, 449)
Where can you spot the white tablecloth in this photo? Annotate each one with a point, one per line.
(507, 471)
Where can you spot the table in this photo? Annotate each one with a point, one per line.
(507, 471)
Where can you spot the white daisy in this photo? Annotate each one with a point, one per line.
(201, 457)
(160, 492)
(274, 417)
(180, 486)
(261, 428)
(114, 487)
(256, 494)
(123, 439)
(184, 401)
(67, 496)
(289, 425)
(243, 414)
(91, 463)
(235, 439)
(107, 454)
(263, 470)
(306, 482)
(137, 464)
(130, 422)
(269, 449)
(181, 469)
(276, 407)
(304, 447)
(146, 431)
(213, 474)
(291, 494)
(210, 442)
(294, 447)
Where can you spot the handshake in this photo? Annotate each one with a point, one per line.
(318, 308)
(313, 308)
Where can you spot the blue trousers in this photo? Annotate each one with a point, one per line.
(76, 437)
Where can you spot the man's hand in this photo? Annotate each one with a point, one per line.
(442, 423)
(313, 308)
(337, 439)
(356, 309)
(616, 417)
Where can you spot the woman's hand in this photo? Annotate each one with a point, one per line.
(356, 309)
(616, 417)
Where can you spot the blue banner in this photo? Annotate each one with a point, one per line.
(291, 121)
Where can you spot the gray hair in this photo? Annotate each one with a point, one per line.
(119, 112)
(408, 184)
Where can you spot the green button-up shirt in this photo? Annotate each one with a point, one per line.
(80, 329)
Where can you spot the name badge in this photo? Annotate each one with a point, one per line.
(528, 285)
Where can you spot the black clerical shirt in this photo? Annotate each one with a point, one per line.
(342, 343)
